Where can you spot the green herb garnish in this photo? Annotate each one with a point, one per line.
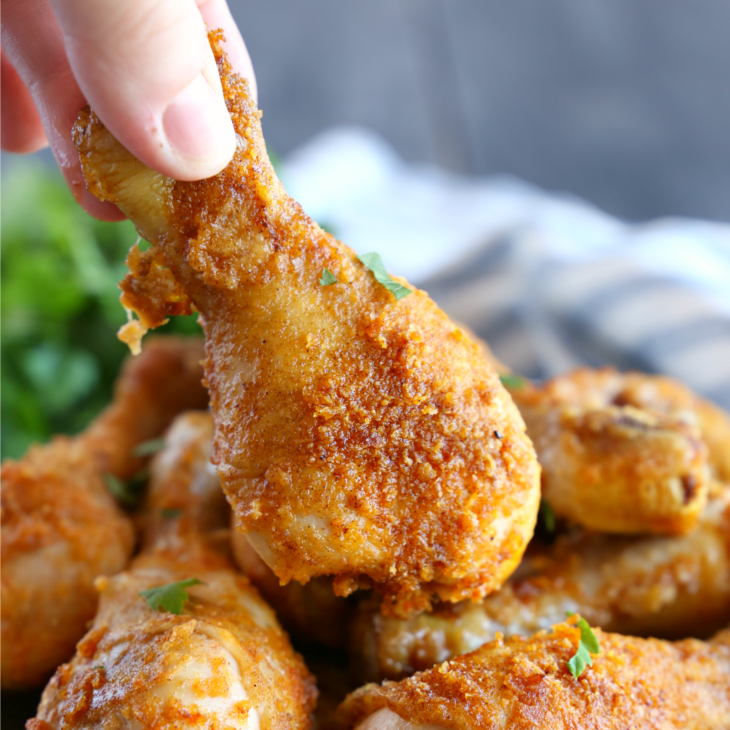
(546, 517)
(373, 262)
(170, 597)
(327, 278)
(145, 448)
(588, 645)
(99, 666)
(171, 513)
(60, 308)
(510, 380)
(127, 493)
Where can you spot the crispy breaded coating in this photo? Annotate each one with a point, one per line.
(60, 526)
(525, 683)
(224, 662)
(310, 612)
(615, 456)
(356, 435)
(671, 587)
(184, 494)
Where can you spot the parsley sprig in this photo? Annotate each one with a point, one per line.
(328, 278)
(373, 262)
(126, 493)
(146, 448)
(588, 645)
(546, 518)
(511, 380)
(170, 597)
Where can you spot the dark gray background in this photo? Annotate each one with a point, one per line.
(624, 102)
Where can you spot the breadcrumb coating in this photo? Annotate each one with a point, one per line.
(61, 528)
(625, 453)
(223, 662)
(524, 683)
(668, 587)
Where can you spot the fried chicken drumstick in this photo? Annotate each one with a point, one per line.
(624, 452)
(356, 435)
(61, 528)
(524, 683)
(671, 587)
(222, 662)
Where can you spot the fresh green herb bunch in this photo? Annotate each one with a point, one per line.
(60, 307)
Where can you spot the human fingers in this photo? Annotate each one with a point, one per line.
(146, 68)
(33, 42)
(21, 129)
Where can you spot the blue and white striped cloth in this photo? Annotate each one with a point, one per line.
(548, 280)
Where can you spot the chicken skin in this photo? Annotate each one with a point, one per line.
(654, 393)
(61, 528)
(299, 608)
(525, 683)
(672, 587)
(357, 435)
(222, 662)
(311, 612)
(625, 453)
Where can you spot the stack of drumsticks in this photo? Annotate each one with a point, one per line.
(369, 478)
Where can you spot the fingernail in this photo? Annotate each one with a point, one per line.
(199, 129)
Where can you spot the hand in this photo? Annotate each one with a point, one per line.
(145, 67)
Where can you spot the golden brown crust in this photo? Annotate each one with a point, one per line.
(668, 587)
(356, 435)
(60, 526)
(150, 288)
(183, 493)
(524, 683)
(223, 662)
(127, 665)
(612, 462)
(60, 529)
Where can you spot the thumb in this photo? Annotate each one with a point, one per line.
(147, 70)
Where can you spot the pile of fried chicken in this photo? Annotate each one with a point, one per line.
(348, 467)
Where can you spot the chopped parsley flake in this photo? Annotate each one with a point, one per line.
(148, 447)
(373, 262)
(510, 380)
(170, 597)
(171, 513)
(546, 517)
(588, 645)
(126, 493)
(327, 278)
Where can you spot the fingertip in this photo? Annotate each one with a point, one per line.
(20, 137)
(21, 128)
(103, 211)
(51, 108)
(199, 132)
(154, 83)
